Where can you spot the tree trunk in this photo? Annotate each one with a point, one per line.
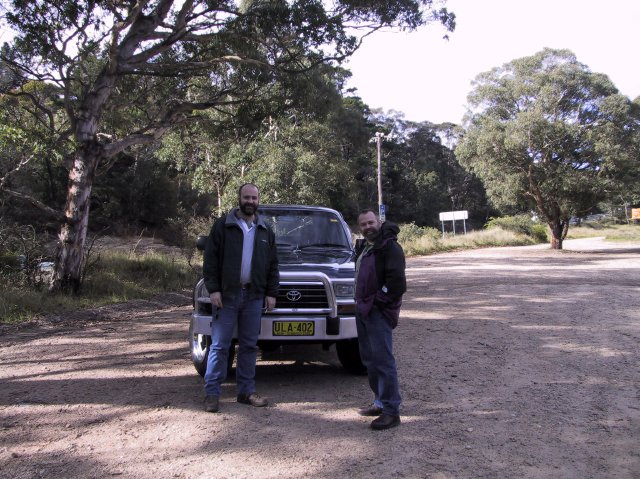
(557, 234)
(70, 256)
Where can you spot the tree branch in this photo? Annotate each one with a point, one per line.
(50, 212)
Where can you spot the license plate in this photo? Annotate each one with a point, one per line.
(293, 328)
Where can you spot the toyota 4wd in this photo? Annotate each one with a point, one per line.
(315, 302)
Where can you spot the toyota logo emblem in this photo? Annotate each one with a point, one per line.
(294, 295)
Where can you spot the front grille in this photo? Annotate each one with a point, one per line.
(302, 296)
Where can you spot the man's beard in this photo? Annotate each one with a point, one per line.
(371, 234)
(248, 208)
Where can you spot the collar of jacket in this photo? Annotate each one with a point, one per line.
(232, 219)
(388, 231)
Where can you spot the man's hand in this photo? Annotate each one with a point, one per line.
(269, 302)
(216, 299)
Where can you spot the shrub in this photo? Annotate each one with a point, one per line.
(22, 252)
(411, 232)
(183, 232)
(127, 276)
(520, 224)
(539, 233)
(116, 276)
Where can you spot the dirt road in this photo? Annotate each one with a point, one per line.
(513, 363)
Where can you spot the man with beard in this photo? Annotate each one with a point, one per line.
(241, 275)
(380, 284)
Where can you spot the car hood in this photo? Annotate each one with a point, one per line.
(316, 260)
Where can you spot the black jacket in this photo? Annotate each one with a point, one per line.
(390, 260)
(381, 278)
(223, 258)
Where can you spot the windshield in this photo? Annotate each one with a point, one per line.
(306, 229)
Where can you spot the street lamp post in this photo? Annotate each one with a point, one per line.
(381, 209)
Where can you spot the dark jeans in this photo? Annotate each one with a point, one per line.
(376, 352)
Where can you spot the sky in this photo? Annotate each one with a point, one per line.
(428, 78)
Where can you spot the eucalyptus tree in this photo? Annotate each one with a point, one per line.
(420, 173)
(546, 132)
(128, 71)
(31, 160)
(622, 184)
(304, 164)
(304, 155)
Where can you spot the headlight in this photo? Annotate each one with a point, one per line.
(201, 302)
(343, 290)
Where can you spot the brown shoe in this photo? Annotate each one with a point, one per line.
(385, 421)
(252, 399)
(372, 410)
(211, 403)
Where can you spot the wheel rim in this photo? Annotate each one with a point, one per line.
(199, 345)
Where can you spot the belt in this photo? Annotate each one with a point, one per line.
(245, 285)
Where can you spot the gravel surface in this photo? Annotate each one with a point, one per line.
(513, 363)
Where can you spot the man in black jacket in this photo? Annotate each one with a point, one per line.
(380, 284)
(241, 275)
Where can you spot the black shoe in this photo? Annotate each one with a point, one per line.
(385, 421)
(211, 403)
(372, 410)
(252, 399)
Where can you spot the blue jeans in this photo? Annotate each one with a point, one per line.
(376, 352)
(245, 310)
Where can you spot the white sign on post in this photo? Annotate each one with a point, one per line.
(453, 216)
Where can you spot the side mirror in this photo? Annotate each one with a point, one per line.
(359, 243)
(201, 242)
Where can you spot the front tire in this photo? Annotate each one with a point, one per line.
(199, 344)
(349, 355)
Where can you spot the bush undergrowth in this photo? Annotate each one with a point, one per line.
(520, 224)
(116, 277)
(432, 241)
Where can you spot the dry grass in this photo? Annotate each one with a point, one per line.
(426, 245)
(610, 232)
(116, 277)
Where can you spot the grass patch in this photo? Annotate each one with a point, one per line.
(430, 243)
(623, 233)
(115, 278)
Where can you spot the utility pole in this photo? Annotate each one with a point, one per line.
(381, 209)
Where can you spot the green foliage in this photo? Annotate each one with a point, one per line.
(22, 252)
(31, 155)
(182, 231)
(421, 176)
(126, 73)
(545, 132)
(410, 232)
(522, 224)
(134, 194)
(539, 233)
